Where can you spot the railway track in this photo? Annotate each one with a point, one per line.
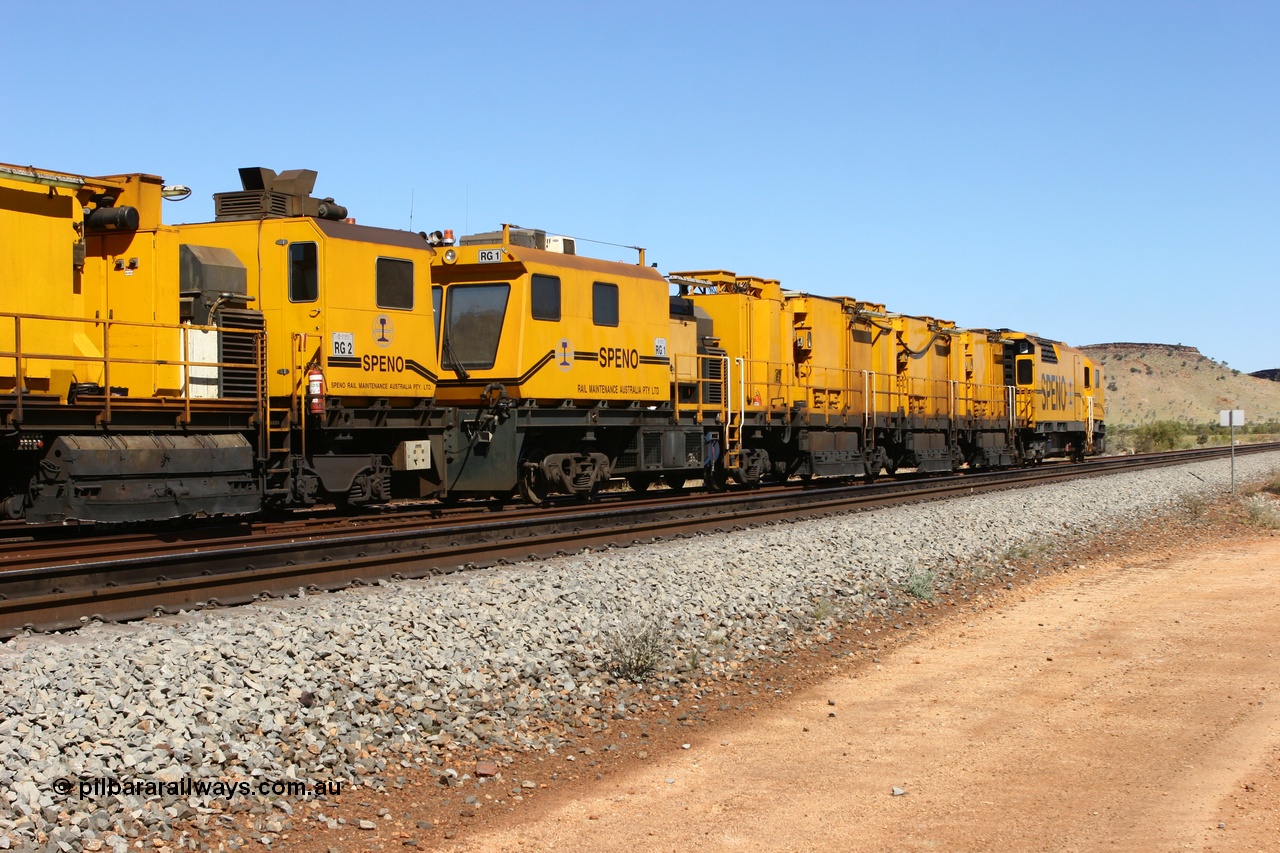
(51, 584)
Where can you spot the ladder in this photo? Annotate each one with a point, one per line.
(284, 418)
(733, 419)
(279, 443)
(1088, 427)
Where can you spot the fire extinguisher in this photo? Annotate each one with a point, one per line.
(315, 390)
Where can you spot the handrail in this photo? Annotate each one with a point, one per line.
(107, 340)
(742, 385)
(727, 379)
(700, 381)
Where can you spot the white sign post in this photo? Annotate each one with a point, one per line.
(1232, 418)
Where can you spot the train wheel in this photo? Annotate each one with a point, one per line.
(532, 488)
(675, 482)
(639, 482)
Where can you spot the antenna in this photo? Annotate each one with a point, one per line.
(411, 192)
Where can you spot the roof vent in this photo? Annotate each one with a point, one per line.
(268, 195)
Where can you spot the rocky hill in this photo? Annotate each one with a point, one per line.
(1168, 382)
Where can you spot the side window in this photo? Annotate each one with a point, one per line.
(604, 304)
(395, 283)
(544, 297)
(437, 299)
(1086, 377)
(304, 272)
(1026, 371)
(474, 325)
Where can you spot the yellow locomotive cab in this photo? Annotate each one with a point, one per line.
(350, 339)
(556, 362)
(1059, 407)
(548, 326)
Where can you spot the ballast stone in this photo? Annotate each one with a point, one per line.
(397, 672)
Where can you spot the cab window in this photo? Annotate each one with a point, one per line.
(394, 286)
(1026, 371)
(304, 272)
(473, 325)
(544, 297)
(437, 297)
(604, 304)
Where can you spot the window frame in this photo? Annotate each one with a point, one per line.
(1030, 367)
(598, 287)
(315, 271)
(437, 311)
(377, 283)
(537, 279)
(450, 299)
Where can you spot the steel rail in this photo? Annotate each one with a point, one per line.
(122, 586)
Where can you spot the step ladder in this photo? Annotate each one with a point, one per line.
(279, 442)
(284, 435)
(733, 441)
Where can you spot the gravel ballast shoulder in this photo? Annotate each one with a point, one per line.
(201, 709)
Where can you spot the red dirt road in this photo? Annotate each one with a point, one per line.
(1133, 708)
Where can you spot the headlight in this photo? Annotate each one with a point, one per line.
(450, 256)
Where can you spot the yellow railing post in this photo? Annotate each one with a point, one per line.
(106, 368)
(18, 364)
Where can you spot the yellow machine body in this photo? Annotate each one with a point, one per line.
(981, 396)
(1059, 389)
(545, 326)
(283, 355)
(833, 351)
(913, 367)
(88, 306)
(351, 299)
(748, 317)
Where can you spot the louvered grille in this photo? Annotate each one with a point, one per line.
(693, 447)
(252, 205)
(239, 349)
(653, 449)
(713, 391)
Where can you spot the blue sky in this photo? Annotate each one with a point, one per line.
(1091, 171)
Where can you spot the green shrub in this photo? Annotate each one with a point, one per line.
(1261, 512)
(1195, 505)
(633, 652)
(921, 584)
(1157, 435)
